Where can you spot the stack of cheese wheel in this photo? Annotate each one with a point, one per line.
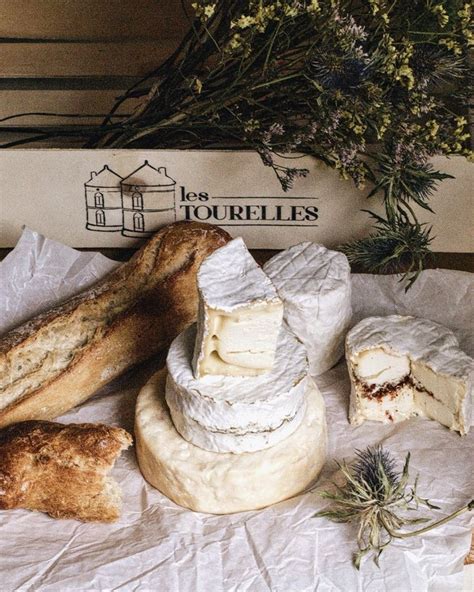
(234, 423)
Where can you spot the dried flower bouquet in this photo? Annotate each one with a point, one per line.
(372, 88)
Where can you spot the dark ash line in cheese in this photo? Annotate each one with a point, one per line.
(373, 391)
(250, 428)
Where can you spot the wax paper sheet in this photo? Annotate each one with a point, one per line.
(157, 545)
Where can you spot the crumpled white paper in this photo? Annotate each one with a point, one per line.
(157, 545)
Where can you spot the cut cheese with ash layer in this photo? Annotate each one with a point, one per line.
(237, 414)
(314, 284)
(406, 366)
(239, 317)
(221, 483)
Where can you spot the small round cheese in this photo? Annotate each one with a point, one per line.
(232, 440)
(315, 286)
(237, 414)
(403, 366)
(222, 483)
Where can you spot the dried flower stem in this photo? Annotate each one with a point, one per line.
(372, 496)
(406, 535)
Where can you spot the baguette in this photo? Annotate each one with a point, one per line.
(61, 469)
(61, 357)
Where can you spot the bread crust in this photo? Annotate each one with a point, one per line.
(61, 469)
(164, 270)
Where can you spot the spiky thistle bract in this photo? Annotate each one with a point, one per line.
(376, 497)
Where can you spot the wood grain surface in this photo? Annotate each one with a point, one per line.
(115, 58)
(56, 53)
(92, 20)
(459, 261)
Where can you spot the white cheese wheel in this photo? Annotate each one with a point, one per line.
(222, 483)
(237, 414)
(315, 286)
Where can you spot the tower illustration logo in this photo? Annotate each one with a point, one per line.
(136, 205)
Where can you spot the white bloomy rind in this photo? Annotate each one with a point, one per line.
(239, 317)
(314, 284)
(404, 366)
(221, 483)
(237, 414)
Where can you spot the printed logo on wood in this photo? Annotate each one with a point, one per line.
(148, 198)
(135, 206)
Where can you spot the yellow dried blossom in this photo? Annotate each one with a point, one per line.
(386, 121)
(465, 14)
(375, 6)
(235, 41)
(197, 86)
(433, 128)
(452, 45)
(441, 13)
(244, 21)
(405, 75)
(251, 125)
(359, 129)
(197, 8)
(209, 10)
(290, 11)
(313, 6)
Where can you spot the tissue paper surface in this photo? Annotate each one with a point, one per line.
(157, 545)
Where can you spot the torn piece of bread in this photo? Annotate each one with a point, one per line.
(60, 358)
(62, 470)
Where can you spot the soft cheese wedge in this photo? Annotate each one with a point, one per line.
(240, 315)
(237, 414)
(406, 366)
(315, 286)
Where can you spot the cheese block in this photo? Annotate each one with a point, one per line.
(404, 366)
(221, 483)
(237, 414)
(239, 316)
(315, 286)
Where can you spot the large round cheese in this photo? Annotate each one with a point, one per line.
(222, 483)
(234, 413)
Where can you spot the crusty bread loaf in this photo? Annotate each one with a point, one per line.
(61, 357)
(61, 469)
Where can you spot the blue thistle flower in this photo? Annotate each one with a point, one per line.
(339, 73)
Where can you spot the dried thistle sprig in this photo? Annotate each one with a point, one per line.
(397, 245)
(373, 495)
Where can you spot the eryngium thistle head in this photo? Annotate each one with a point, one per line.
(435, 65)
(373, 495)
(375, 468)
(339, 73)
(396, 246)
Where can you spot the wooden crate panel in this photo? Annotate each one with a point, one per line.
(135, 58)
(93, 105)
(103, 20)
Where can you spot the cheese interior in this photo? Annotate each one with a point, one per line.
(379, 367)
(240, 343)
(393, 387)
